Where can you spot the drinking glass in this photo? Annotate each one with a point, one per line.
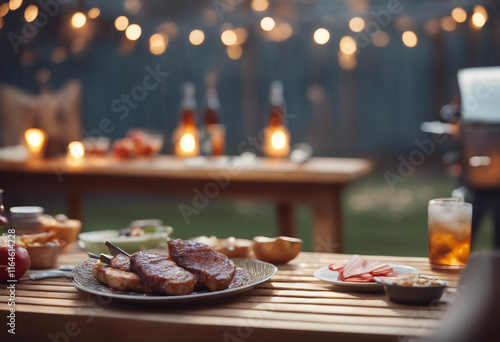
(449, 222)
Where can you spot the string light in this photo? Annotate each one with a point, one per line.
(158, 44)
(133, 32)
(30, 13)
(196, 37)
(4, 9)
(348, 45)
(267, 23)
(15, 4)
(459, 15)
(357, 24)
(121, 23)
(409, 39)
(228, 37)
(234, 51)
(94, 12)
(78, 20)
(321, 36)
(259, 5)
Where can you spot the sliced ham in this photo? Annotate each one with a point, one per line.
(360, 270)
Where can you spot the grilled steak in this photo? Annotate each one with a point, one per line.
(241, 277)
(161, 275)
(121, 262)
(118, 279)
(213, 269)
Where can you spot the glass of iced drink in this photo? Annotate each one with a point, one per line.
(449, 233)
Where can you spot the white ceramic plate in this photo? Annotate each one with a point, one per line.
(85, 281)
(326, 274)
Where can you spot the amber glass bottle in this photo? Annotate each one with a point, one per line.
(188, 116)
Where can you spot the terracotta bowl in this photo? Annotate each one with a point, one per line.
(279, 250)
(44, 256)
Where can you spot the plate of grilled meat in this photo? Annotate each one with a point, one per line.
(191, 271)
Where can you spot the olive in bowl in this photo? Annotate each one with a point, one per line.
(417, 291)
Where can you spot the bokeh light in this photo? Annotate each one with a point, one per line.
(196, 37)
(448, 24)
(259, 5)
(4, 9)
(15, 4)
(121, 23)
(357, 24)
(234, 51)
(78, 20)
(380, 39)
(94, 13)
(267, 23)
(133, 32)
(228, 37)
(30, 13)
(459, 14)
(409, 39)
(321, 36)
(348, 45)
(478, 20)
(158, 44)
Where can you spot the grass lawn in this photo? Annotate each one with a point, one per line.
(376, 219)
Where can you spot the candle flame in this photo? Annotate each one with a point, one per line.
(278, 140)
(187, 142)
(35, 139)
(76, 149)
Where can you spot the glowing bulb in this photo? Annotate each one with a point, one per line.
(259, 5)
(278, 140)
(188, 142)
(4, 9)
(459, 14)
(409, 39)
(94, 13)
(478, 20)
(133, 32)
(35, 139)
(348, 45)
(121, 23)
(30, 13)
(15, 4)
(157, 44)
(234, 51)
(196, 37)
(321, 36)
(357, 24)
(228, 37)
(267, 23)
(78, 20)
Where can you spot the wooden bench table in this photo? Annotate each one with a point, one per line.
(319, 182)
(292, 306)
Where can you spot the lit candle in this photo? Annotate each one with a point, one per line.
(36, 140)
(187, 144)
(277, 143)
(75, 154)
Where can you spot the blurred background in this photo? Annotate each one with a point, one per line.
(359, 78)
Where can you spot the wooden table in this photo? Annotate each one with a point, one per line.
(292, 306)
(319, 182)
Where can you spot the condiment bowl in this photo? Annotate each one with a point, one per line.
(416, 295)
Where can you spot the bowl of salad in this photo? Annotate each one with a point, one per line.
(140, 235)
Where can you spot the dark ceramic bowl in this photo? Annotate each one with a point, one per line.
(414, 294)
